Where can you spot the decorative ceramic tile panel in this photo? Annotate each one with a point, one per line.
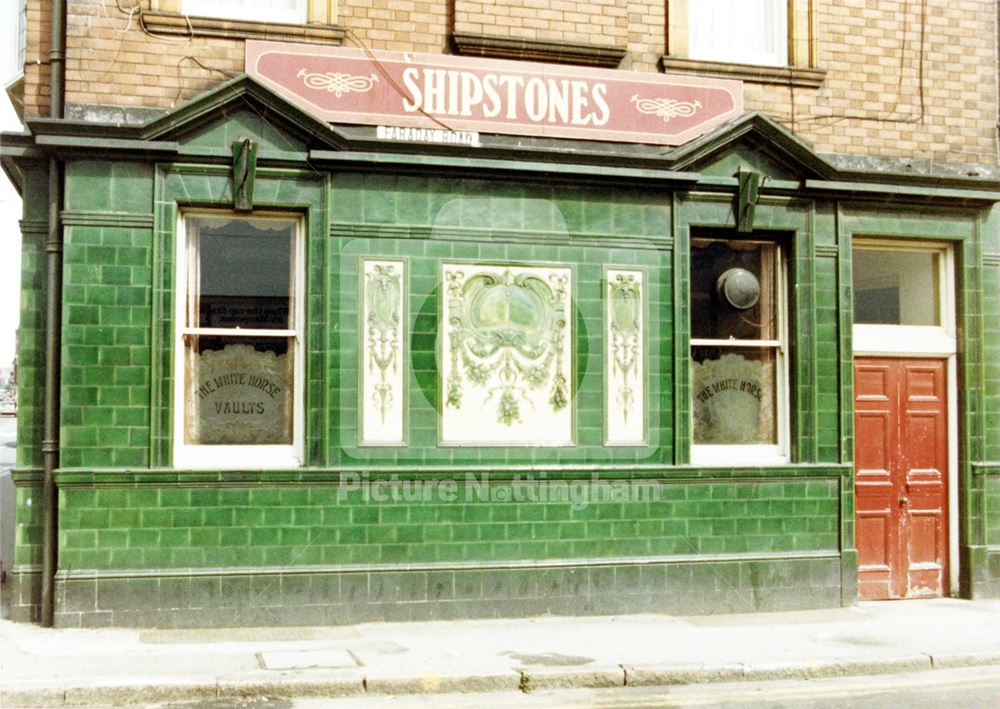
(506, 355)
(625, 358)
(383, 353)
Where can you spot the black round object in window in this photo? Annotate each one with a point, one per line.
(739, 288)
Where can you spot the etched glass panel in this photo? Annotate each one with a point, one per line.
(625, 357)
(383, 353)
(733, 395)
(239, 391)
(506, 355)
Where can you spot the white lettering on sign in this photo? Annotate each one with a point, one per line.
(429, 135)
(448, 92)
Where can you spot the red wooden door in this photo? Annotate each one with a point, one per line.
(901, 477)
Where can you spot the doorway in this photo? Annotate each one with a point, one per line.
(905, 419)
(901, 477)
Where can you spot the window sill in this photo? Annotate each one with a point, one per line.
(736, 456)
(15, 93)
(752, 74)
(172, 23)
(482, 45)
(236, 457)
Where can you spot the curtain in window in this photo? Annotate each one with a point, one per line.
(743, 31)
(293, 11)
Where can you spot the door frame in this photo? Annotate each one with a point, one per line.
(927, 342)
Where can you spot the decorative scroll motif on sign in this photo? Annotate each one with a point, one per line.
(732, 398)
(507, 354)
(337, 83)
(666, 108)
(625, 355)
(382, 377)
(241, 396)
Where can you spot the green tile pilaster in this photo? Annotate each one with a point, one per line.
(31, 331)
(681, 335)
(802, 329)
(845, 291)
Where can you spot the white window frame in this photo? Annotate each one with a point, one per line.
(716, 455)
(188, 455)
(728, 50)
(913, 339)
(252, 10)
(13, 63)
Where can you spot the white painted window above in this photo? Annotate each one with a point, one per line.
(285, 11)
(739, 31)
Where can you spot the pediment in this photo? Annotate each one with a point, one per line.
(243, 108)
(753, 142)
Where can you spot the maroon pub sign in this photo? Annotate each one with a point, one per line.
(343, 85)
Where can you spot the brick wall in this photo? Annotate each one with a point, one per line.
(871, 101)
(111, 61)
(36, 56)
(594, 22)
(397, 25)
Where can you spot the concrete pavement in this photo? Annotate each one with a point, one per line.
(115, 667)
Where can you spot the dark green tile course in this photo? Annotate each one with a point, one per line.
(344, 598)
(195, 527)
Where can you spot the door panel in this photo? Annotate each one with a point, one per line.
(901, 477)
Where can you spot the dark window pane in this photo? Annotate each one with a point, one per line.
(896, 287)
(733, 290)
(243, 276)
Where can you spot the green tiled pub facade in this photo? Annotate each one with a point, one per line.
(419, 529)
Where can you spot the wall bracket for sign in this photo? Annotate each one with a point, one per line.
(244, 174)
(749, 192)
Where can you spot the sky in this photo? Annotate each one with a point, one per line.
(10, 209)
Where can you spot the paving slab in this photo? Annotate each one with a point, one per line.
(117, 667)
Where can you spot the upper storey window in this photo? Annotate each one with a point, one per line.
(756, 41)
(739, 31)
(287, 11)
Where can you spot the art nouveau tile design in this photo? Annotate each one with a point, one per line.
(625, 357)
(383, 353)
(506, 354)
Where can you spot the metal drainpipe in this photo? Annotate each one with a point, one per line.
(53, 323)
